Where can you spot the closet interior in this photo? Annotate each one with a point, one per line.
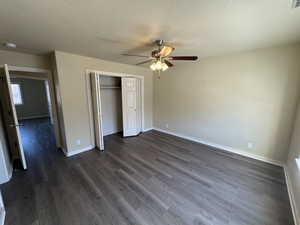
(111, 104)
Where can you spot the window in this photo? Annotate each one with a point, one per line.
(16, 92)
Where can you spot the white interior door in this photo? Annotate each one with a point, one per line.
(10, 117)
(49, 101)
(130, 104)
(95, 83)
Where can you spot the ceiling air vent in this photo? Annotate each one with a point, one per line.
(295, 4)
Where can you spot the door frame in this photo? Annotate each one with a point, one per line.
(43, 79)
(33, 73)
(90, 103)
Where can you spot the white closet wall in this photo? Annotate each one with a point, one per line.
(111, 104)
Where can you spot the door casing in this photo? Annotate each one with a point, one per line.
(41, 74)
(90, 102)
(46, 75)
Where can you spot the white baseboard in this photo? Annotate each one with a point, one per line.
(112, 132)
(147, 129)
(225, 148)
(34, 117)
(68, 154)
(295, 210)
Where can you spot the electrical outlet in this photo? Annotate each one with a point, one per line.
(78, 142)
(298, 162)
(250, 145)
(167, 125)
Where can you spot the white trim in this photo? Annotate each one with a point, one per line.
(223, 147)
(97, 111)
(298, 162)
(68, 154)
(8, 178)
(49, 77)
(27, 69)
(291, 196)
(29, 77)
(2, 216)
(148, 129)
(90, 106)
(8, 170)
(33, 117)
(10, 174)
(2, 210)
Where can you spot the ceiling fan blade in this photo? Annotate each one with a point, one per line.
(165, 51)
(140, 63)
(144, 56)
(140, 47)
(192, 58)
(169, 64)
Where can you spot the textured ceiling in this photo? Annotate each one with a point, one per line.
(106, 29)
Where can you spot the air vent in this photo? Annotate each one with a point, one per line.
(295, 4)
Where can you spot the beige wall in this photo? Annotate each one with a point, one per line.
(292, 169)
(234, 99)
(72, 80)
(34, 96)
(22, 59)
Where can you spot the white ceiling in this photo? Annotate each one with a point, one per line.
(107, 28)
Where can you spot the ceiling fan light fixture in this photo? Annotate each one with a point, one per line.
(161, 59)
(153, 66)
(158, 66)
(164, 67)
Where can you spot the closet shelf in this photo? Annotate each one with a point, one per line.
(109, 87)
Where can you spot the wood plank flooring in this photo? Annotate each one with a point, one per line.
(152, 179)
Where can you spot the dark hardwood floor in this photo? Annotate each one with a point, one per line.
(152, 179)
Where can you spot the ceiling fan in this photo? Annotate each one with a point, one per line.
(161, 58)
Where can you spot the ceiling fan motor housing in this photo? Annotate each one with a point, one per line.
(154, 53)
(159, 42)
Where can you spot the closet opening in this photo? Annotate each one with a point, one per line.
(111, 105)
(117, 102)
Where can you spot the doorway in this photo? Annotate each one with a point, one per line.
(31, 97)
(117, 102)
(111, 104)
(29, 110)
